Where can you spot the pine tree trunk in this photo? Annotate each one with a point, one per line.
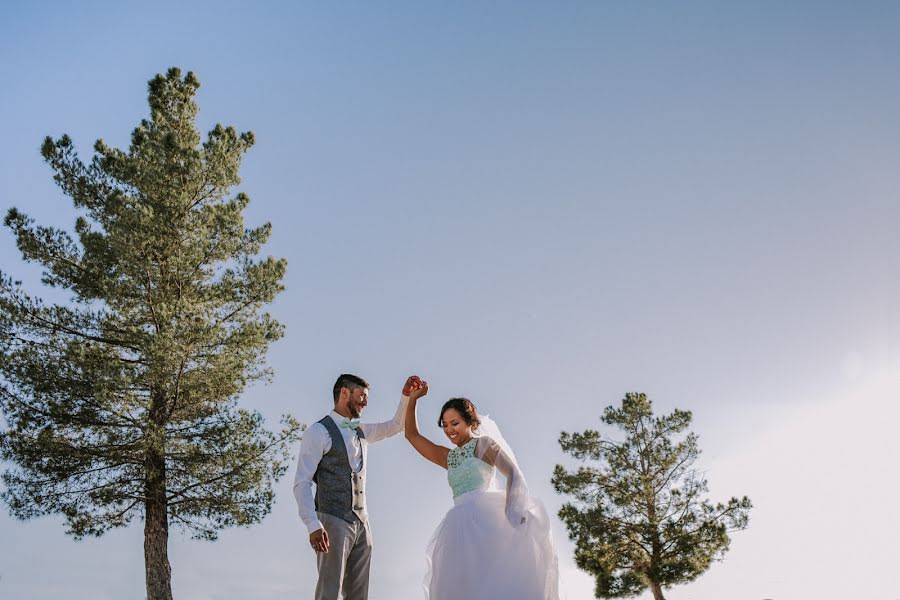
(156, 518)
(657, 592)
(156, 551)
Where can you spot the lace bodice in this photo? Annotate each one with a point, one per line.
(466, 472)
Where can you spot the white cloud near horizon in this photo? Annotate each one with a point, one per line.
(824, 482)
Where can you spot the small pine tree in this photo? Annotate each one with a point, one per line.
(639, 519)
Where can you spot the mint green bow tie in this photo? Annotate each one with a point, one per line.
(349, 423)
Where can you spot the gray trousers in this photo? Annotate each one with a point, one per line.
(344, 569)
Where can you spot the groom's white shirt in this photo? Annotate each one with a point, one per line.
(316, 442)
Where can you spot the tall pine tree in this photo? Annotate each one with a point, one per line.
(639, 518)
(123, 402)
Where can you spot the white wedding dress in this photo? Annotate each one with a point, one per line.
(495, 543)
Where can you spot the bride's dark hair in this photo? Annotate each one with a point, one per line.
(464, 407)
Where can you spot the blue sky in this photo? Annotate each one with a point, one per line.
(541, 206)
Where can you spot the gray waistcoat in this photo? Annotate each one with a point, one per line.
(340, 491)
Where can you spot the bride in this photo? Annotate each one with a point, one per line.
(495, 543)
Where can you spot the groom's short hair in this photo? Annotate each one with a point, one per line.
(351, 382)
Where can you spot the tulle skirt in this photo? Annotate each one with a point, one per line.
(475, 554)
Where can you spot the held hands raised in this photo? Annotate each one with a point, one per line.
(415, 387)
(412, 382)
(419, 388)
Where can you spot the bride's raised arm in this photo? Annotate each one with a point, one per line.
(433, 452)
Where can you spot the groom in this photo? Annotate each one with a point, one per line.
(333, 455)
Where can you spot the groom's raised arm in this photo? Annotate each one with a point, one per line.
(375, 432)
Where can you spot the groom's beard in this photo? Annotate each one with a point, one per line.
(354, 410)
